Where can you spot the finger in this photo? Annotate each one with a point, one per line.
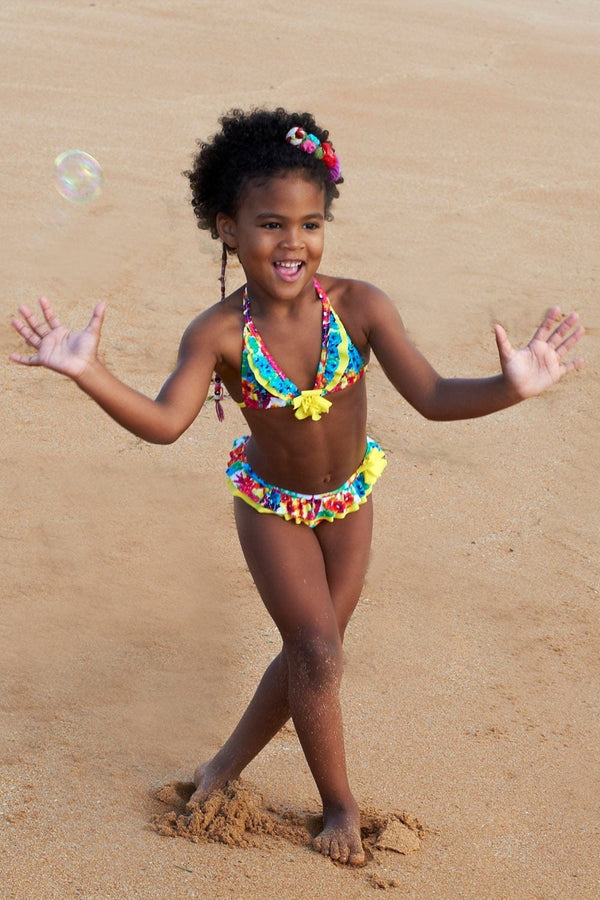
(505, 348)
(49, 314)
(563, 329)
(32, 321)
(24, 360)
(27, 314)
(572, 366)
(26, 333)
(570, 342)
(95, 323)
(17, 324)
(548, 324)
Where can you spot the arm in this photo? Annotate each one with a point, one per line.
(525, 373)
(159, 421)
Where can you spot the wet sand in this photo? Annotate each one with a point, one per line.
(130, 634)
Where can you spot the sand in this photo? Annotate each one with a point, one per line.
(130, 633)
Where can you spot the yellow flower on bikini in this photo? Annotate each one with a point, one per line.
(373, 465)
(310, 403)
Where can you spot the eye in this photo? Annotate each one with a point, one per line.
(271, 225)
(312, 226)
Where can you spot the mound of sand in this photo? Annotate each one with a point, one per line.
(236, 816)
(239, 817)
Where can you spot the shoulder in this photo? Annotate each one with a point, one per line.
(359, 302)
(216, 330)
(221, 318)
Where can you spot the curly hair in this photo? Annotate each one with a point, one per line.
(251, 145)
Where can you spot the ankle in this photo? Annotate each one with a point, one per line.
(347, 807)
(222, 768)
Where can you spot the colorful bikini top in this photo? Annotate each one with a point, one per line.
(265, 385)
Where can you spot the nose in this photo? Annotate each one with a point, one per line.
(292, 238)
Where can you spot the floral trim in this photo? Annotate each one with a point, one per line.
(265, 385)
(310, 143)
(305, 509)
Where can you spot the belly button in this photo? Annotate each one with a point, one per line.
(327, 478)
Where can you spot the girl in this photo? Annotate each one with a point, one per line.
(302, 479)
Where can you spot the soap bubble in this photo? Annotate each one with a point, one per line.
(77, 176)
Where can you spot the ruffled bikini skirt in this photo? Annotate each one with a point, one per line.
(306, 509)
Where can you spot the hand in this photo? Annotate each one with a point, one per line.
(56, 347)
(536, 367)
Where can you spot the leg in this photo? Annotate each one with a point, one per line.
(267, 713)
(292, 568)
(346, 555)
(310, 581)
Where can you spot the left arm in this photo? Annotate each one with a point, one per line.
(525, 372)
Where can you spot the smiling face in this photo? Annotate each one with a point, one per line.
(279, 234)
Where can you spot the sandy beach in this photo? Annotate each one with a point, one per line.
(131, 635)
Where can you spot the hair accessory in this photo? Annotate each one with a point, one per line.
(310, 143)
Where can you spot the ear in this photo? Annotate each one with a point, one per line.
(227, 230)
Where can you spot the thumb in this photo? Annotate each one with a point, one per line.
(95, 323)
(505, 348)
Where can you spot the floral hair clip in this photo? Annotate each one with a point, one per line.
(300, 138)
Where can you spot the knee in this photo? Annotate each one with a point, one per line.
(316, 659)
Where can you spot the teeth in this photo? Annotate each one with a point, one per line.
(289, 265)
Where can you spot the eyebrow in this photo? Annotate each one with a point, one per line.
(268, 215)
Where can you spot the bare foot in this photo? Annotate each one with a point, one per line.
(340, 838)
(206, 782)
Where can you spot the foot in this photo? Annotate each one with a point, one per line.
(206, 782)
(340, 838)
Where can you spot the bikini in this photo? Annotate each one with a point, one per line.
(266, 386)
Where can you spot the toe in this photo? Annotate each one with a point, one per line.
(344, 855)
(334, 850)
(356, 856)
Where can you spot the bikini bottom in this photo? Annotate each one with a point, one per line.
(306, 509)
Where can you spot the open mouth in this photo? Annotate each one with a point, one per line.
(289, 269)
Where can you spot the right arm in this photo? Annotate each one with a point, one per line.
(160, 421)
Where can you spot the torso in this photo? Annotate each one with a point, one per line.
(302, 454)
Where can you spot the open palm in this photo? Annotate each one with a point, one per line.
(55, 346)
(536, 367)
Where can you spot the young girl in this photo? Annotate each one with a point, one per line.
(291, 347)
